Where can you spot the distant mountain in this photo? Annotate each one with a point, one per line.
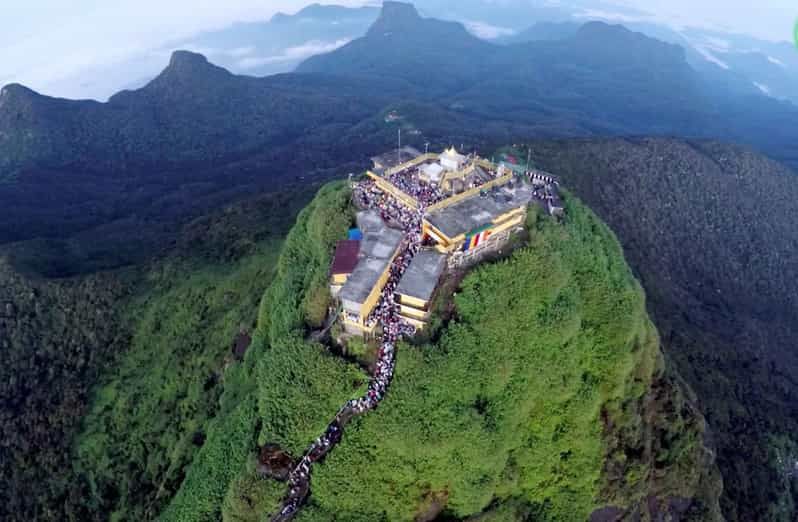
(262, 48)
(402, 44)
(602, 79)
(737, 61)
(256, 48)
(544, 31)
(192, 138)
(198, 135)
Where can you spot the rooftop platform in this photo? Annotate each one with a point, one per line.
(369, 221)
(421, 277)
(380, 245)
(474, 212)
(377, 248)
(362, 281)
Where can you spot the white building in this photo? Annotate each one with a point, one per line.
(450, 159)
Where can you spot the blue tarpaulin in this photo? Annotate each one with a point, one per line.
(355, 234)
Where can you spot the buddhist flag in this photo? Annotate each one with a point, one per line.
(476, 238)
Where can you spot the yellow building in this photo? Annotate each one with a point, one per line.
(417, 287)
(471, 222)
(360, 291)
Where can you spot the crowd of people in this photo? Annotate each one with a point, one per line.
(386, 313)
(397, 215)
(408, 182)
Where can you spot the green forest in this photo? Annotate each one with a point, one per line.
(539, 393)
(513, 410)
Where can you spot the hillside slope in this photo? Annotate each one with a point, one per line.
(711, 231)
(156, 337)
(110, 181)
(545, 394)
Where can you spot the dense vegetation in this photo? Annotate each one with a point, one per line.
(150, 416)
(287, 389)
(711, 231)
(55, 336)
(530, 401)
(158, 337)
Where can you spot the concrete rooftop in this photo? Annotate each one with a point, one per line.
(369, 221)
(361, 282)
(422, 275)
(477, 211)
(377, 247)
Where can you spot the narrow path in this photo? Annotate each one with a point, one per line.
(386, 314)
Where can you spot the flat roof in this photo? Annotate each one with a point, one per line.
(380, 244)
(369, 221)
(472, 213)
(377, 248)
(421, 277)
(362, 281)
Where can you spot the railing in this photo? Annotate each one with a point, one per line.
(412, 163)
(387, 186)
(470, 193)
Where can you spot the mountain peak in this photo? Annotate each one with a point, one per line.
(186, 69)
(17, 96)
(599, 28)
(187, 61)
(617, 41)
(395, 16)
(16, 89)
(391, 8)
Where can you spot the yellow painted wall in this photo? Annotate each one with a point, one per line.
(339, 279)
(374, 296)
(359, 327)
(415, 322)
(413, 313)
(390, 188)
(469, 193)
(412, 163)
(434, 233)
(412, 301)
(512, 220)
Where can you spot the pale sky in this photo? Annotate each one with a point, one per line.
(43, 43)
(766, 19)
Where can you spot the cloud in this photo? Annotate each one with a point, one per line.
(711, 57)
(241, 51)
(291, 54)
(762, 87)
(611, 16)
(776, 61)
(486, 31)
(57, 48)
(208, 52)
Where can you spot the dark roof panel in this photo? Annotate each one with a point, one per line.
(345, 260)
